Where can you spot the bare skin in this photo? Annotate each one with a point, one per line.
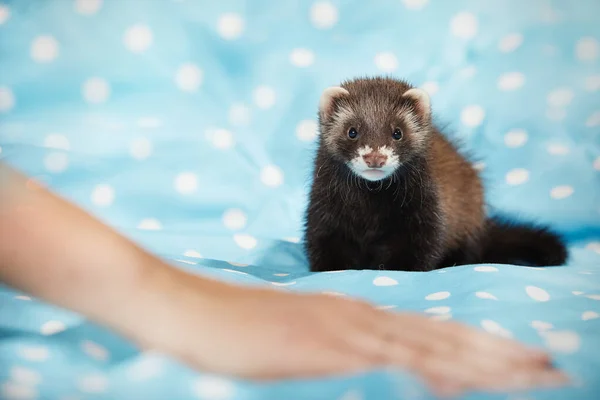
(85, 266)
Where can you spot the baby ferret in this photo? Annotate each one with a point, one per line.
(390, 191)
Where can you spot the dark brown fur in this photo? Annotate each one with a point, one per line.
(428, 214)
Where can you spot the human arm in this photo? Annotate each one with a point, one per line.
(63, 255)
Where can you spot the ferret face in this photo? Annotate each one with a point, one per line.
(374, 126)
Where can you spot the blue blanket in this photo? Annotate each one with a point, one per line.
(190, 127)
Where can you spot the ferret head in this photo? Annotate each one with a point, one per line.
(374, 125)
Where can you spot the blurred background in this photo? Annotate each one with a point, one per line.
(193, 118)
(190, 126)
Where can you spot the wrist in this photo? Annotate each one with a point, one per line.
(165, 305)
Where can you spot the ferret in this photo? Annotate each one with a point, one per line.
(391, 191)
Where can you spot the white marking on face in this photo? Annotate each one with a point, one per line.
(360, 167)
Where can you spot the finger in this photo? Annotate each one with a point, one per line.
(493, 345)
(444, 357)
(489, 351)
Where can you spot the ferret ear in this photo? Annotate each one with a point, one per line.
(421, 99)
(328, 97)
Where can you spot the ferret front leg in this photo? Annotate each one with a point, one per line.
(419, 249)
(328, 253)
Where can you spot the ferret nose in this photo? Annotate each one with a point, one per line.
(375, 160)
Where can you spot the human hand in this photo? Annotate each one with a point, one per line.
(267, 334)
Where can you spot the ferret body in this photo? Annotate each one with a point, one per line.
(390, 191)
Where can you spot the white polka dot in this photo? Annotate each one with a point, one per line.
(587, 49)
(140, 148)
(510, 42)
(186, 262)
(593, 120)
(384, 281)
(138, 38)
(147, 368)
(245, 241)
(241, 265)
(186, 182)
(561, 192)
(221, 138)
(515, 138)
(18, 391)
(468, 72)
(517, 176)
(464, 25)
(44, 49)
(239, 115)
(7, 99)
(593, 296)
(25, 376)
(93, 383)
(149, 224)
(495, 328)
(550, 50)
(479, 166)
(234, 219)
(87, 7)
(441, 317)
(56, 162)
(415, 4)
(438, 310)
(271, 176)
(23, 298)
(302, 57)
(283, 283)
(213, 388)
(189, 77)
(557, 149)
(386, 62)
(103, 195)
(55, 141)
(264, 97)
(485, 295)
(94, 350)
(560, 97)
(593, 246)
(96, 90)
(52, 327)
(323, 15)
(511, 81)
(587, 315)
(438, 296)
(485, 268)
(562, 341)
(4, 13)
(292, 239)
(537, 294)
(541, 325)
(230, 26)
(334, 294)
(556, 114)
(307, 130)
(149, 122)
(472, 115)
(192, 254)
(592, 83)
(576, 292)
(34, 353)
(430, 87)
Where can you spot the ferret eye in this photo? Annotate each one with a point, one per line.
(397, 135)
(352, 133)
